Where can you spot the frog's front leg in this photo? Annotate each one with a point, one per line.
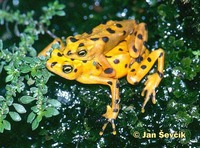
(113, 110)
(139, 70)
(55, 41)
(108, 71)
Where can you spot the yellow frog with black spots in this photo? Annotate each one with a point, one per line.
(120, 60)
(94, 45)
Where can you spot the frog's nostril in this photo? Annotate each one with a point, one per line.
(53, 64)
(69, 52)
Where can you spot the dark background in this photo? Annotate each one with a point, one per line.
(173, 26)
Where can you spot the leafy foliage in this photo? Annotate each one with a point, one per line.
(26, 76)
(27, 89)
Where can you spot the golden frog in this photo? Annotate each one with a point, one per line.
(120, 59)
(93, 46)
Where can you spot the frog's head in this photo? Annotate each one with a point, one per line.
(67, 68)
(79, 49)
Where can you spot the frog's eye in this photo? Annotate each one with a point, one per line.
(67, 68)
(82, 53)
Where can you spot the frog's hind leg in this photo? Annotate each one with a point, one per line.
(139, 70)
(137, 40)
(141, 37)
(113, 110)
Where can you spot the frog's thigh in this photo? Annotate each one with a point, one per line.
(46, 49)
(135, 75)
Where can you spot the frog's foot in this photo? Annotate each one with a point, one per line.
(110, 115)
(149, 90)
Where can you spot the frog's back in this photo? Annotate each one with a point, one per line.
(111, 33)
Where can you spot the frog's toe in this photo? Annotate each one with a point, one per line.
(105, 125)
(149, 94)
(149, 90)
(110, 115)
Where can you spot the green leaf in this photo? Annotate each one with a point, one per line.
(44, 89)
(54, 102)
(2, 98)
(1, 127)
(19, 108)
(35, 109)
(60, 13)
(9, 78)
(61, 7)
(33, 72)
(6, 125)
(28, 59)
(25, 68)
(39, 117)
(179, 43)
(47, 114)
(30, 81)
(197, 53)
(184, 117)
(33, 52)
(35, 124)
(15, 116)
(186, 62)
(26, 99)
(178, 93)
(162, 10)
(50, 111)
(31, 117)
(1, 44)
